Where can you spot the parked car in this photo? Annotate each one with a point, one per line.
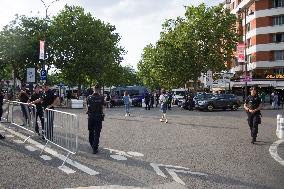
(223, 101)
(201, 97)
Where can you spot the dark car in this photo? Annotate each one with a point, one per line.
(223, 101)
(201, 97)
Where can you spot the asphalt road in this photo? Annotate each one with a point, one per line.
(194, 150)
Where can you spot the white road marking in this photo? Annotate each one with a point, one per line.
(137, 154)
(19, 141)
(55, 154)
(1, 131)
(273, 151)
(66, 169)
(118, 152)
(9, 136)
(46, 157)
(30, 148)
(172, 172)
(118, 157)
(159, 186)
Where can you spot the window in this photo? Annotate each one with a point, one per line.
(249, 58)
(278, 71)
(278, 37)
(278, 55)
(277, 3)
(278, 20)
(249, 42)
(248, 27)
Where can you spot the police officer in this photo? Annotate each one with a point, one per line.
(95, 103)
(36, 99)
(253, 106)
(49, 100)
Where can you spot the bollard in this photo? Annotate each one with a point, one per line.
(278, 124)
(281, 129)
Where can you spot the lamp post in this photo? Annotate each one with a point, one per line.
(46, 18)
(245, 50)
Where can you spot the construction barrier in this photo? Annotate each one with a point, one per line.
(61, 130)
(23, 115)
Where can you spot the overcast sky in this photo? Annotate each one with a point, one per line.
(137, 21)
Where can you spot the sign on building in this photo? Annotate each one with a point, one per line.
(41, 50)
(209, 78)
(30, 75)
(241, 52)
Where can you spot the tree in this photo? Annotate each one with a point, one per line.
(204, 40)
(19, 45)
(83, 48)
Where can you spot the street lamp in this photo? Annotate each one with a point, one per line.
(245, 50)
(46, 18)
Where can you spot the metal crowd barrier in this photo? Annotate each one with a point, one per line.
(61, 129)
(23, 115)
(6, 111)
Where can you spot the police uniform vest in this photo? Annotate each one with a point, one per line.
(95, 105)
(253, 102)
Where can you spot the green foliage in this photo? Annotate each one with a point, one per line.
(19, 45)
(203, 40)
(84, 48)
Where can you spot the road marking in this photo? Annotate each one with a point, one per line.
(30, 148)
(66, 169)
(9, 136)
(273, 151)
(118, 152)
(55, 154)
(46, 157)
(172, 172)
(1, 131)
(118, 157)
(137, 154)
(18, 141)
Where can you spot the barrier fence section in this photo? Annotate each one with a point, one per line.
(61, 129)
(6, 110)
(23, 115)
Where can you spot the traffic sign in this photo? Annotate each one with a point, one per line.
(43, 75)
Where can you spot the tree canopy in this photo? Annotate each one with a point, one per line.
(204, 39)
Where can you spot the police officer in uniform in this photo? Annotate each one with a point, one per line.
(253, 106)
(49, 100)
(95, 103)
(36, 99)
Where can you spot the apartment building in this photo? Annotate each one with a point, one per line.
(261, 25)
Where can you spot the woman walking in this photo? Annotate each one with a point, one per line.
(126, 100)
(163, 101)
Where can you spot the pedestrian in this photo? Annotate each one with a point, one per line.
(49, 100)
(157, 99)
(107, 99)
(147, 101)
(163, 101)
(36, 99)
(169, 100)
(275, 101)
(95, 103)
(263, 98)
(1, 103)
(253, 106)
(23, 98)
(152, 100)
(126, 100)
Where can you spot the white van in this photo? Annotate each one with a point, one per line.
(178, 96)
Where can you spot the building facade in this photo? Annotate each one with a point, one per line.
(261, 27)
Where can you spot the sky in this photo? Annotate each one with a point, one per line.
(137, 21)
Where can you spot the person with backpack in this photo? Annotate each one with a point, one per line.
(163, 101)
